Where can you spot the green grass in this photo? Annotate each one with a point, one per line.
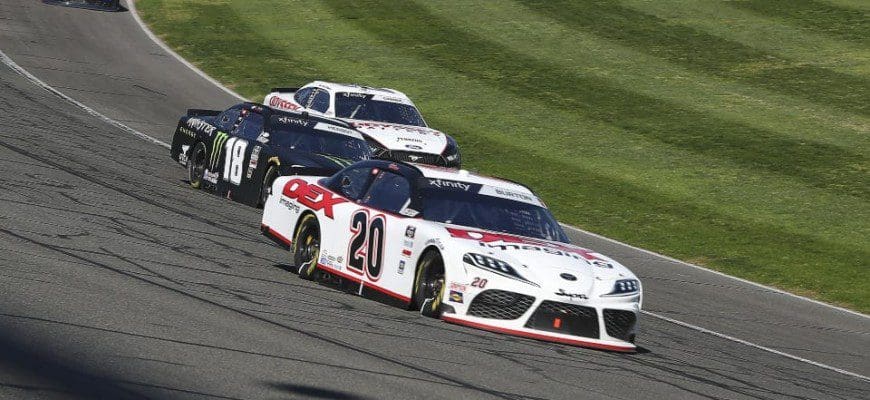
(733, 135)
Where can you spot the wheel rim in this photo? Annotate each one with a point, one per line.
(433, 281)
(197, 166)
(310, 250)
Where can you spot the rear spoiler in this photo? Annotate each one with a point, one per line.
(285, 89)
(195, 112)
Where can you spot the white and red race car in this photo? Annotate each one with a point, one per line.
(388, 118)
(468, 249)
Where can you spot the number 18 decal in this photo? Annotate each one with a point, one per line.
(235, 151)
(366, 252)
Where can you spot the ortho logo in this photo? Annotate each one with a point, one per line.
(312, 196)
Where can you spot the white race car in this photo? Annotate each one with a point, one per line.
(389, 120)
(468, 249)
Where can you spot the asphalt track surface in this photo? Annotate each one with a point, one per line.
(119, 281)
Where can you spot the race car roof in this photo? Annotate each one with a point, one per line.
(490, 186)
(354, 88)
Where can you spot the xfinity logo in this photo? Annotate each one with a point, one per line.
(449, 184)
(572, 296)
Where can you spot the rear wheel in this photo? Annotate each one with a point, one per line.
(265, 190)
(429, 285)
(196, 165)
(306, 247)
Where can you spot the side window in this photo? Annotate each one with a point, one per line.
(227, 119)
(352, 182)
(251, 126)
(389, 192)
(320, 101)
(302, 96)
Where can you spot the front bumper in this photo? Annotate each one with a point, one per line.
(600, 325)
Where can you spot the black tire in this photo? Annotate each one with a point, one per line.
(429, 285)
(266, 189)
(196, 165)
(306, 247)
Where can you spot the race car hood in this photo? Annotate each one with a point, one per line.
(397, 137)
(563, 269)
(298, 162)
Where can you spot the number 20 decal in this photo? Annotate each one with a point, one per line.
(235, 151)
(366, 252)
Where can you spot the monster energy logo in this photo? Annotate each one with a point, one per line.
(217, 146)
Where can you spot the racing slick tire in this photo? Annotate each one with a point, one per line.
(266, 189)
(196, 165)
(429, 285)
(306, 247)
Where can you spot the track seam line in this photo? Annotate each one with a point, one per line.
(755, 346)
(33, 79)
(15, 67)
(131, 6)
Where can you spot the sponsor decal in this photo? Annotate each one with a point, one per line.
(407, 139)
(602, 264)
(413, 147)
(292, 206)
(455, 296)
(293, 121)
(409, 243)
(255, 159)
(182, 157)
(568, 277)
(401, 267)
(187, 132)
(410, 231)
(263, 137)
(280, 103)
(458, 287)
(409, 212)
(200, 125)
(435, 242)
(515, 195)
(217, 148)
(337, 129)
(441, 183)
(312, 196)
(509, 242)
(571, 296)
(351, 94)
(211, 177)
(406, 252)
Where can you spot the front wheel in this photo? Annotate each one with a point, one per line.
(306, 247)
(429, 285)
(196, 165)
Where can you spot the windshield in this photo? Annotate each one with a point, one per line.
(365, 107)
(497, 214)
(305, 138)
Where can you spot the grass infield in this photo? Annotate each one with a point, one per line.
(733, 135)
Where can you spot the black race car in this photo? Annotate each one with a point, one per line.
(237, 153)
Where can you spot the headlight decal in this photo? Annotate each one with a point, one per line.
(495, 266)
(625, 287)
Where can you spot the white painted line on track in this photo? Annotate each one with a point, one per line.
(755, 346)
(131, 6)
(698, 267)
(23, 72)
(14, 66)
